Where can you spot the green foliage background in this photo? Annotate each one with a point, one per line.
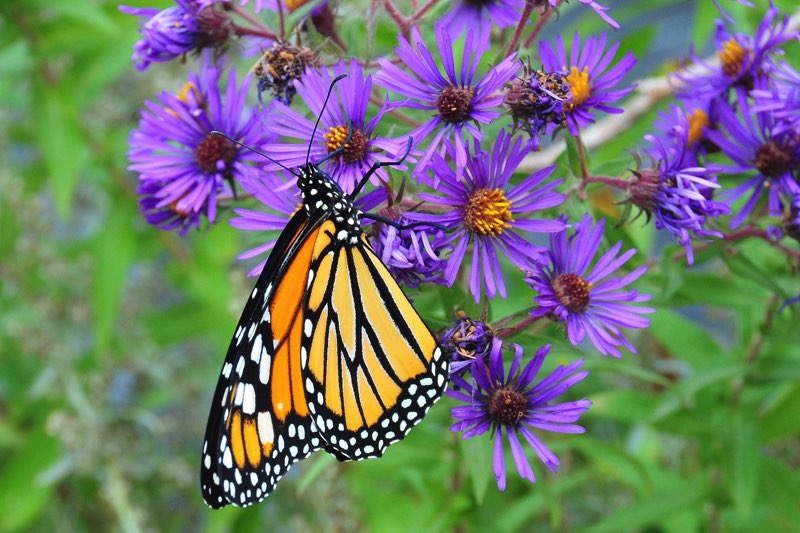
(112, 334)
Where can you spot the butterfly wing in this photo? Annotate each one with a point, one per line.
(259, 423)
(373, 367)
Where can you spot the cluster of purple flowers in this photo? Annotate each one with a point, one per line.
(743, 107)
(465, 167)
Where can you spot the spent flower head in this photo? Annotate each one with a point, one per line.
(538, 101)
(467, 341)
(674, 189)
(517, 406)
(280, 65)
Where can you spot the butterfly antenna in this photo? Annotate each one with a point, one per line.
(336, 80)
(254, 150)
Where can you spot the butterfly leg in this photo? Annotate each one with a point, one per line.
(378, 165)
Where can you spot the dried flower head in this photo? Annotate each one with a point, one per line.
(280, 65)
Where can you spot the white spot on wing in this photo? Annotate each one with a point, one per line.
(265, 429)
(249, 402)
(264, 366)
(255, 352)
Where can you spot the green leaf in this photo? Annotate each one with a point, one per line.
(744, 268)
(650, 510)
(684, 338)
(741, 463)
(113, 251)
(476, 454)
(622, 405)
(781, 420)
(24, 491)
(573, 156)
(56, 120)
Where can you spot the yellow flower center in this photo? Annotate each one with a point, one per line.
(354, 150)
(580, 85)
(698, 121)
(732, 57)
(488, 212)
(335, 138)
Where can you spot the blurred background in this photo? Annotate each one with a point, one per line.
(112, 334)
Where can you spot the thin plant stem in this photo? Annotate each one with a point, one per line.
(537, 29)
(523, 21)
(424, 9)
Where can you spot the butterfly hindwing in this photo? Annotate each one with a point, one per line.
(259, 424)
(374, 368)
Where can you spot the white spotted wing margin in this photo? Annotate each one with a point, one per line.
(243, 398)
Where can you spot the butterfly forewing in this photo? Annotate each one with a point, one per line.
(259, 424)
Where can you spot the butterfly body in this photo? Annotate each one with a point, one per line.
(328, 354)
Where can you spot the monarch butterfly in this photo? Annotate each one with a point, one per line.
(328, 354)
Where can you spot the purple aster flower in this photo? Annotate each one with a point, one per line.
(467, 341)
(489, 212)
(347, 105)
(538, 102)
(515, 405)
(182, 167)
(675, 188)
(480, 15)
(583, 296)
(169, 33)
(458, 100)
(599, 9)
(590, 79)
(743, 59)
(755, 142)
(782, 100)
(413, 255)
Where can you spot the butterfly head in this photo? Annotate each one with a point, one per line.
(323, 197)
